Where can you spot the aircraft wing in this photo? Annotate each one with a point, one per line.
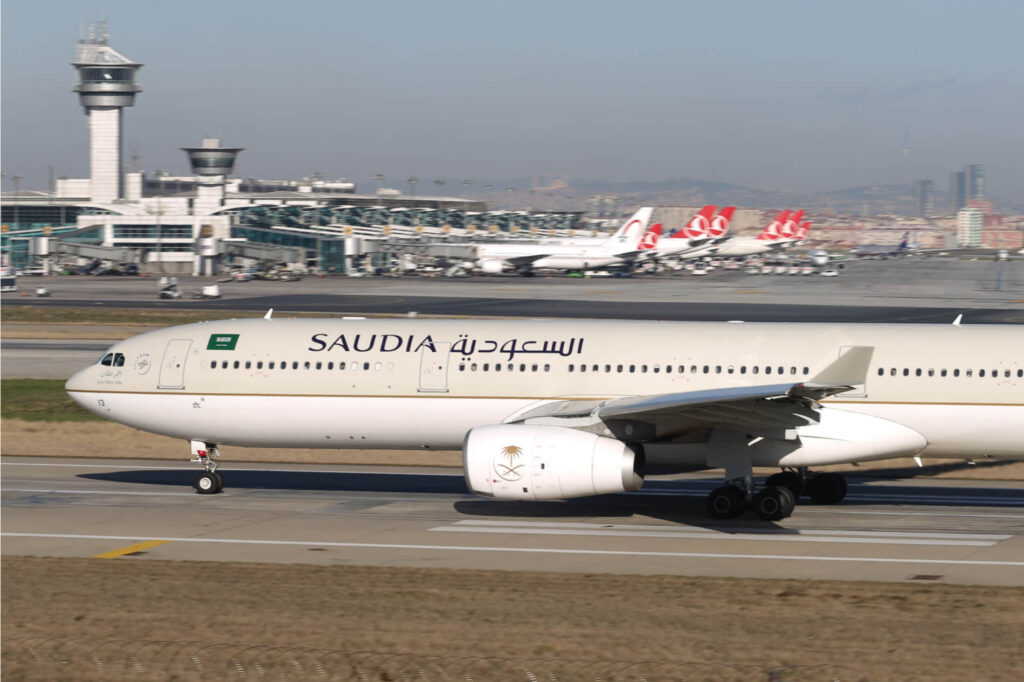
(762, 409)
(524, 261)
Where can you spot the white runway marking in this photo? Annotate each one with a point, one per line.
(92, 492)
(689, 533)
(535, 550)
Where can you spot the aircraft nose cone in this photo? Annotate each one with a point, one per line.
(76, 383)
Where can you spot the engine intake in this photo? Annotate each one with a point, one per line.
(528, 462)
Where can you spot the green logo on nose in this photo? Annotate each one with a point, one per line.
(222, 342)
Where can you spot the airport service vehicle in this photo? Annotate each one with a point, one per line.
(699, 269)
(8, 279)
(830, 272)
(555, 409)
(622, 250)
(752, 270)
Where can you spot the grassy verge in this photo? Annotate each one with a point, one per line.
(40, 400)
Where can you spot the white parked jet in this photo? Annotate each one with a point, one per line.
(554, 409)
(620, 250)
(771, 238)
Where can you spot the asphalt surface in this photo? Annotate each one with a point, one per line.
(955, 532)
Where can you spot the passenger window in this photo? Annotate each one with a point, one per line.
(730, 369)
(619, 369)
(707, 369)
(693, 369)
(248, 364)
(1020, 373)
(968, 372)
(906, 372)
(981, 373)
(259, 364)
(632, 369)
(533, 368)
(341, 365)
(657, 369)
(743, 369)
(236, 364)
(573, 367)
(366, 365)
(931, 372)
(305, 365)
(956, 372)
(213, 365)
(768, 370)
(547, 368)
(295, 364)
(643, 369)
(224, 364)
(522, 367)
(917, 372)
(472, 367)
(497, 367)
(943, 373)
(807, 370)
(755, 369)
(319, 365)
(881, 372)
(892, 372)
(378, 366)
(487, 366)
(462, 367)
(718, 369)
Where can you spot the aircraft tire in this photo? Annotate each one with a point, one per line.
(787, 479)
(774, 503)
(207, 483)
(220, 480)
(726, 502)
(827, 488)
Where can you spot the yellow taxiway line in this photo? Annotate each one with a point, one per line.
(131, 549)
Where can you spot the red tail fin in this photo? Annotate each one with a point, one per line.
(772, 232)
(650, 239)
(720, 224)
(801, 232)
(698, 225)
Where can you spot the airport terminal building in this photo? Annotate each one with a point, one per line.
(199, 223)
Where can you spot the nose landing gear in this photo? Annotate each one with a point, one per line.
(208, 482)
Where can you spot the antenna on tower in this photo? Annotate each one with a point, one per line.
(906, 153)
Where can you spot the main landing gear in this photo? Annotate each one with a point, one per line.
(771, 503)
(208, 482)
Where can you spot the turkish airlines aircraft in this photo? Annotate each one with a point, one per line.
(770, 239)
(554, 409)
(715, 233)
(620, 249)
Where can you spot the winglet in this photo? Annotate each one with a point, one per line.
(849, 369)
(956, 322)
(269, 314)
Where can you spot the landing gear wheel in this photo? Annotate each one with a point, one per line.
(787, 479)
(208, 483)
(220, 480)
(726, 502)
(774, 503)
(827, 488)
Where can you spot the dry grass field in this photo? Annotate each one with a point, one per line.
(738, 629)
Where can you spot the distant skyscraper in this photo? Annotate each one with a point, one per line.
(958, 189)
(975, 180)
(925, 190)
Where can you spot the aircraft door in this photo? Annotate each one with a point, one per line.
(172, 367)
(434, 369)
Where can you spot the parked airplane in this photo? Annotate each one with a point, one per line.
(620, 250)
(555, 409)
(883, 250)
(700, 235)
(770, 239)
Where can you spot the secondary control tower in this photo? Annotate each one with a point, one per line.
(212, 163)
(106, 84)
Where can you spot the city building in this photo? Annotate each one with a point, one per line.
(925, 192)
(958, 189)
(975, 180)
(969, 223)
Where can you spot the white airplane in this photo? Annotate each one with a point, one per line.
(555, 409)
(771, 238)
(700, 237)
(620, 250)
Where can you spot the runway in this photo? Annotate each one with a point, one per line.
(948, 531)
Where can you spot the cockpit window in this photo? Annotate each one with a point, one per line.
(118, 359)
(107, 360)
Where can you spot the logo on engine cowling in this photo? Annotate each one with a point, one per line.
(505, 463)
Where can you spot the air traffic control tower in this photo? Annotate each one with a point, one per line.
(106, 84)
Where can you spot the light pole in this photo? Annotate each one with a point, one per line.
(160, 174)
(512, 198)
(16, 179)
(412, 184)
(380, 179)
(440, 184)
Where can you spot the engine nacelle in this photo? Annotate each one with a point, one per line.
(527, 462)
(492, 267)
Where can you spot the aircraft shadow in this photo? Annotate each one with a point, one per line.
(441, 484)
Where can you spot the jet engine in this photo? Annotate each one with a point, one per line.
(528, 462)
(491, 267)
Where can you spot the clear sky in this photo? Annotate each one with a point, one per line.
(801, 96)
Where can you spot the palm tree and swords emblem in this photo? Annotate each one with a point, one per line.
(505, 464)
